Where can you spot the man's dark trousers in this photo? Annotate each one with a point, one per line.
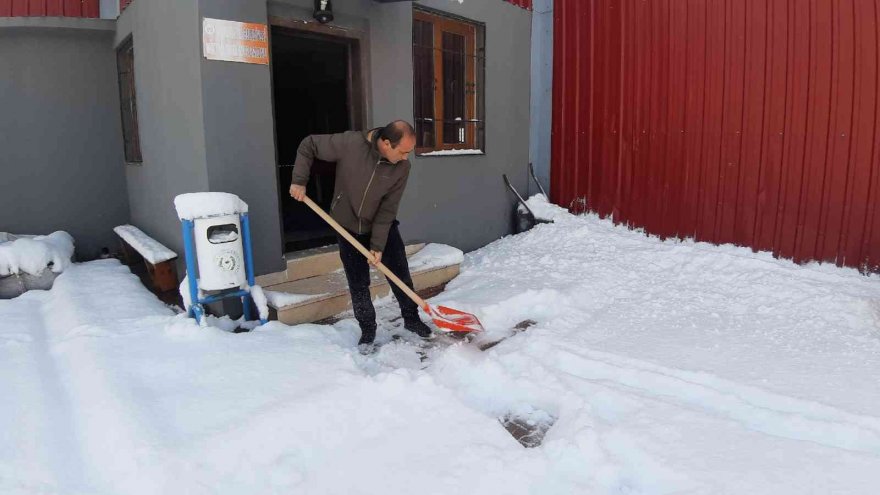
(357, 271)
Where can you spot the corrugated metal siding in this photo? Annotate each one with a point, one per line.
(754, 122)
(50, 8)
(526, 4)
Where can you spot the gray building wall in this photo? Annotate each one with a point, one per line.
(542, 91)
(208, 125)
(60, 131)
(239, 134)
(168, 83)
(456, 200)
(460, 200)
(205, 125)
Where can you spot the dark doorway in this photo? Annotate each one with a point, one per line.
(312, 86)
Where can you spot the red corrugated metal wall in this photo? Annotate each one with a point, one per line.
(50, 8)
(754, 122)
(526, 4)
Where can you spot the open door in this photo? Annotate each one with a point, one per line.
(313, 76)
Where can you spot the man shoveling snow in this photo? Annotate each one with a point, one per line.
(371, 174)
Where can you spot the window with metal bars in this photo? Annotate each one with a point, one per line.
(448, 72)
(128, 102)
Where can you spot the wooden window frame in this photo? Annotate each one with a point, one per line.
(469, 31)
(131, 140)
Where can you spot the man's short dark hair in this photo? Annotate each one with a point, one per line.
(395, 131)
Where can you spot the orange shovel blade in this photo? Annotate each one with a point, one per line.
(453, 319)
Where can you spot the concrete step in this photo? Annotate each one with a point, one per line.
(324, 295)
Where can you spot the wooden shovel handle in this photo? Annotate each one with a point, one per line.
(382, 268)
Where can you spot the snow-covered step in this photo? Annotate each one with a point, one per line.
(313, 262)
(304, 300)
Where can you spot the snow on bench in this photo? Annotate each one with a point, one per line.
(158, 258)
(146, 246)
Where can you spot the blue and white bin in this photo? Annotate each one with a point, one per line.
(218, 249)
(220, 252)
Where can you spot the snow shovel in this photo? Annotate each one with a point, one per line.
(525, 219)
(445, 318)
(540, 187)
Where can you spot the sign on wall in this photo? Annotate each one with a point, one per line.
(235, 41)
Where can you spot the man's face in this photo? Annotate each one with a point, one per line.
(401, 152)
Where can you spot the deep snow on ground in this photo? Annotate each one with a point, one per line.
(669, 367)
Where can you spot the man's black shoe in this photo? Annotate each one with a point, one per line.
(418, 327)
(368, 335)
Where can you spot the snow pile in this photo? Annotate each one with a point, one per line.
(435, 256)
(545, 210)
(676, 366)
(34, 254)
(208, 204)
(152, 251)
